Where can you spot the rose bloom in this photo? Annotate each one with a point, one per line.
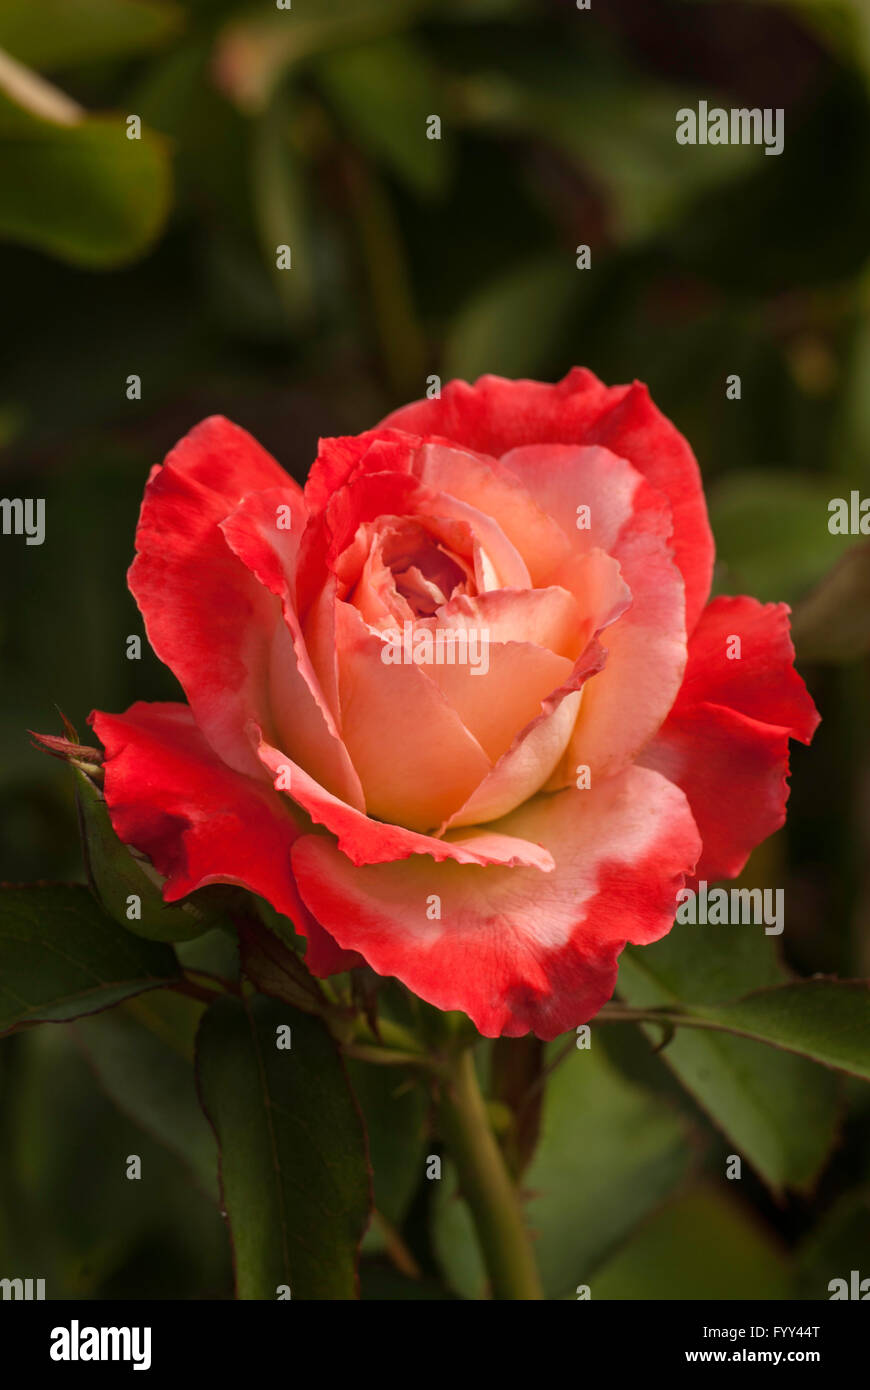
(491, 834)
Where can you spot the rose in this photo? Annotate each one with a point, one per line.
(493, 839)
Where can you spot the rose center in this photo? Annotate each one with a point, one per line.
(426, 574)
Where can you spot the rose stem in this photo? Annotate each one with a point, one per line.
(486, 1184)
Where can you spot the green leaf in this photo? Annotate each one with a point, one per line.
(608, 1154)
(142, 1054)
(294, 1171)
(61, 956)
(383, 93)
(664, 1259)
(275, 969)
(394, 1111)
(76, 187)
(60, 33)
(215, 953)
(115, 873)
(771, 531)
(779, 1110)
(454, 1239)
(825, 1020)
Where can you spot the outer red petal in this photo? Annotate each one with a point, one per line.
(339, 457)
(513, 949)
(725, 741)
(733, 771)
(495, 415)
(199, 822)
(208, 618)
(762, 682)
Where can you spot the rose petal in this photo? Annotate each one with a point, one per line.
(318, 630)
(495, 415)
(515, 951)
(761, 682)
(481, 483)
(340, 457)
(199, 822)
(525, 767)
(301, 715)
(734, 772)
(626, 705)
(726, 740)
(503, 690)
(498, 563)
(416, 760)
(206, 617)
(367, 841)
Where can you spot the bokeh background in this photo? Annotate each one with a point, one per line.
(457, 257)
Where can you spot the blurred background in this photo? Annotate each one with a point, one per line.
(156, 258)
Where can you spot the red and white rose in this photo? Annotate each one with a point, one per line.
(492, 837)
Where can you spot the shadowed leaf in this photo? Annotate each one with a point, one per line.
(61, 956)
(294, 1172)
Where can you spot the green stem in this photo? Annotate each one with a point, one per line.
(389, 1034)
(385, 1056)
(486, 1184)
